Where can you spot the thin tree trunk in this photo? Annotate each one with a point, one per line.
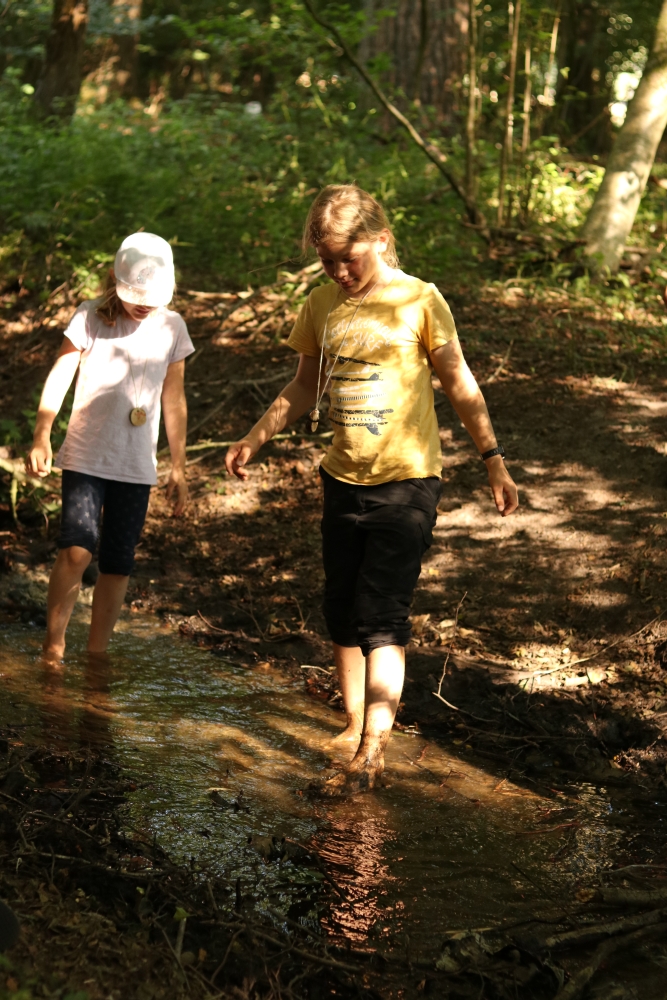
(125, 42)
(472, 100)
(506, 154)
(612, 215)
(547, 99)
(527, 98)
(58, 87)
(421, 52)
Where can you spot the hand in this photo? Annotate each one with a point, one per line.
(503, 487)
(178, 484)
(39, 458)
(238, 456)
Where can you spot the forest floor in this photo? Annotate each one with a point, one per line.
(547, 631)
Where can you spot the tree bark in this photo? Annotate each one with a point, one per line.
(612, 215)
(58, 87)
(427, 42)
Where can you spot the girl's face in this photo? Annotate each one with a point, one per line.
(135, 312)
(354, 266)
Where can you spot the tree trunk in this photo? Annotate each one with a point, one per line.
(527, 98)
(508, 143)
(472, 101)
(428, 47)
(125, 44)
(421, 52)
(58, 87)
(582, 93)
(613, 212)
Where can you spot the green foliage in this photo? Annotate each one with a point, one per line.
(229, 190)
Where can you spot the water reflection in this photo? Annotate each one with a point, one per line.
(80, 719)
(221, 754)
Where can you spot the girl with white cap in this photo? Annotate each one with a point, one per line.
(129, 350)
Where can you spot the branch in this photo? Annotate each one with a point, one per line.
(434, 155)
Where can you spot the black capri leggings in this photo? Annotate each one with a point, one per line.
(121, 508)
(373, 541)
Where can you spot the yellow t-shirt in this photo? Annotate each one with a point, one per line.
(381, 398)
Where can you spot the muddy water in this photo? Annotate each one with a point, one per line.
(222, 753)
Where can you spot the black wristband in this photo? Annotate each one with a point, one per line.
(499, 450)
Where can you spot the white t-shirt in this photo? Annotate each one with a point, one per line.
(100, 439)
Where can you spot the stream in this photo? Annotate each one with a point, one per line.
(221, 754)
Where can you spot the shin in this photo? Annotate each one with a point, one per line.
(351, 669)
(64, 585)
(108, 598)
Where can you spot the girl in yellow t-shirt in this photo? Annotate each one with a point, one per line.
(369, 340)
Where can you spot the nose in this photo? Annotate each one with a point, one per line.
(340, 270)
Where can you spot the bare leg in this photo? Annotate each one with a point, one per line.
(385, 672)
(351, 668)
(64, 585)
(108, 598)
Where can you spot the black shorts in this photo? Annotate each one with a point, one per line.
(103, 511)
(373, 541)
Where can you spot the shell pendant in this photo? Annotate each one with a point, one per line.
(314, 419)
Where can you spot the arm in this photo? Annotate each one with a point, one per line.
(40, 456)
(465, 396)
(293, 401)
(175, 413)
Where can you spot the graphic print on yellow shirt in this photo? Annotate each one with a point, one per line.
(381, 398)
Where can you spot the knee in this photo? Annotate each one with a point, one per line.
(75, 557)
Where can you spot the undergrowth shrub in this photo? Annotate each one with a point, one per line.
(230, 190)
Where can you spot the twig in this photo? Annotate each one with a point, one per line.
(212, 897)
(548, 829)
(501, 366)
(179, 937)
(576, 986)
(631, 897)
(603, 649)
(176, 957)
(201, 445)
(438, 693)
(593, 932)
(226, 956)
(223, 631)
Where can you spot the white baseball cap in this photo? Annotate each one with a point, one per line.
(144, 269)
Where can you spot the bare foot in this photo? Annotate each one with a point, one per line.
(361, 775)
(343, 747)
(351, 734)
(53, 654)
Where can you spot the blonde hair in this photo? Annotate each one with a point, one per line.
(110, 306)
(348, 214)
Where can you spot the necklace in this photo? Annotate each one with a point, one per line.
(315, 413)
(138, 415)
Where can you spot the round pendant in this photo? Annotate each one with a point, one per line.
(138, 416)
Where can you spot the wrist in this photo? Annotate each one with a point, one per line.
(494, 452)
(41, 438)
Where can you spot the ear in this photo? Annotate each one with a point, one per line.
(382, 241)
